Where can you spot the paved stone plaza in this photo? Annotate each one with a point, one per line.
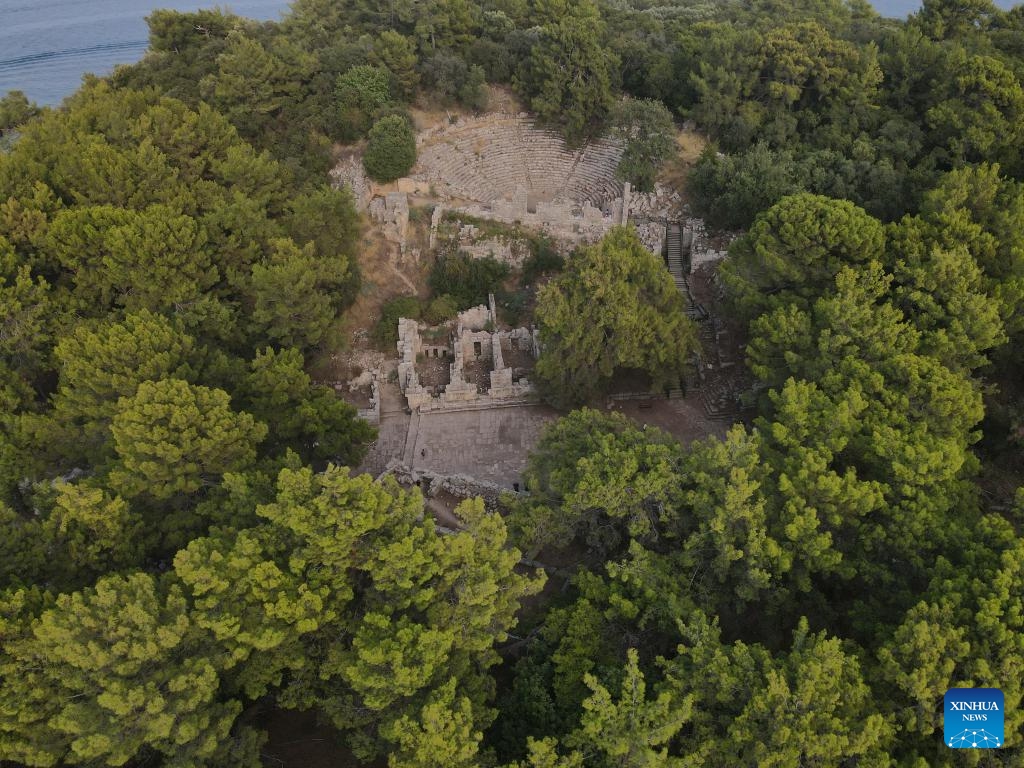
(391, 432)
(493, 444)
(490, 444)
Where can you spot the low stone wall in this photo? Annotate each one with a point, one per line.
(517, 394)
(460, 486)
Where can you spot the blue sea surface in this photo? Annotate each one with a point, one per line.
(47, 45)
(899, 9)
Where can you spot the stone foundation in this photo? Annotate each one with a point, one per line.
(460, 486)
(473, 341)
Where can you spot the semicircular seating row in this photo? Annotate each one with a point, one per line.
(486, 161)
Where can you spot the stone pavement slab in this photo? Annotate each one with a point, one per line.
(488, 445)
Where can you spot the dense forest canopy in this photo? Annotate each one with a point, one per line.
(183, 550)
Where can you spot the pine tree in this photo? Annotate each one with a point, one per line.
(172, 437)
(614, 308)
(629, 731)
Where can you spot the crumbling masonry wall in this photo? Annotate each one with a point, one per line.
(469, 342)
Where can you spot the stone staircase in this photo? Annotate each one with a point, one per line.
(678, 242)
(720, 400)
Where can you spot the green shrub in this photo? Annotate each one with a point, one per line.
(15, 110)
(391, 150)
(440, 310)
(418, 213)
(467, 280)
(386, 332)
(360, 93)
(543, 259)
(515, 306)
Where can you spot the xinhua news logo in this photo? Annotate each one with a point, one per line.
(973, 718)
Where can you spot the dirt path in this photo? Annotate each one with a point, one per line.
(408, 283)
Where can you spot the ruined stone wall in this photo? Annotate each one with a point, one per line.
(476, 318)
(350, 175)
(703, 250)
(512, 252)
(460, 393)
(460, 486)
(391, 213)
(561, 220)
(409, 346)
(475, 345)
(435, 351)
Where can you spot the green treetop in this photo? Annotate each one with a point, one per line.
(596, 478)
(102, 363)
(107, 672)
(615, 307)
(172, 437)
(568, 74)
(390, 149)
(794, 250)
(647, 131)
(360, 92)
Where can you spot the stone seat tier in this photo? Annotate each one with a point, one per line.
(487, 158)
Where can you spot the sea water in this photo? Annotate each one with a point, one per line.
(902, 8)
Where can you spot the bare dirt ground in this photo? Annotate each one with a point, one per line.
(503, 99)
(435, 373)
(691, 146)
(297, 740)
(684, 419)
(386, 274)
(676, 171)
(499, 99)
(442, 506)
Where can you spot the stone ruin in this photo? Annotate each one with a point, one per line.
(503, 168)
(485, 367)
(460, 486)
(349, 174)
(484, 158)
(704, 250)
(511, 248)
(513, 252)
(562, 220)
(391, 213)
(371, 413)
